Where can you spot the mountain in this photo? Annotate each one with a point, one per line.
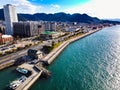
(58, 17)
(63, 17)
(1, 14)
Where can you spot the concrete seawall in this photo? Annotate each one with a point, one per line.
(7, 64)
(60, 49)
(52, 55)
(84, 35)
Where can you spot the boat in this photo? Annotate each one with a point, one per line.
(13, 85)
(22, 70)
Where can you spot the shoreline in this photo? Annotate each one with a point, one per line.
(55, 53)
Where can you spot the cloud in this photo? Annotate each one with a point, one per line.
(98, 8)
(95, 8)
(25, 6)
(55, 6)
(22, 6)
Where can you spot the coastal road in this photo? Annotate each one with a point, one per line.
(21, 53)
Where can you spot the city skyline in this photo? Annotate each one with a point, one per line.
(103, 9)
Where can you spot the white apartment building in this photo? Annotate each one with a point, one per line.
(10, 17)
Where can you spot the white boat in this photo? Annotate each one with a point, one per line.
(13, 85)
(22, 70)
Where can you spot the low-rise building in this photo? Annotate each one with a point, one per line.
(5, 38)
(46, 35)
(35, 54)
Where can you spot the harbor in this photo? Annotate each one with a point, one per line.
(36, 72)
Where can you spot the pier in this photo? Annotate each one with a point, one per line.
(29, 82)
(36, 70)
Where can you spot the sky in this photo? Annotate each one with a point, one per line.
(103, 9)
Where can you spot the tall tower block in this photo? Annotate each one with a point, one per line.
(10, 17)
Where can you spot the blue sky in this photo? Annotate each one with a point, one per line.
(96, 8)
(53, 6)
(62, 3)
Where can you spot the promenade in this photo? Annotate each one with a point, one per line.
(52, 55)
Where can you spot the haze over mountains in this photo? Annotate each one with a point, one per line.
(63, 17)
(117, 19)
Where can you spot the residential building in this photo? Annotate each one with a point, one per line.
(10, 17)
(50, 26)
(27, 29)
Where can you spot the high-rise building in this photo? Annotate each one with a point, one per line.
(50, 26)
(10, 17)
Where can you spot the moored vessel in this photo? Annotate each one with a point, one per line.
(14, 84)
(22, 70)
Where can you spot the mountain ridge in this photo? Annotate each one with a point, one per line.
(61, 16)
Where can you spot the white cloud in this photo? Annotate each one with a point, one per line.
(25, 6)
(22, 6)
(98, 8)
(95, 8)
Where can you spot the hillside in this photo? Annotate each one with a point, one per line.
(63, 17)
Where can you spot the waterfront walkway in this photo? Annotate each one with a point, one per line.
(52, 55)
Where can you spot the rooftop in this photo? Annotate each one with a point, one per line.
(6, 36)
(49, 32)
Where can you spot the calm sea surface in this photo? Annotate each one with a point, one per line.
(92, 63)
